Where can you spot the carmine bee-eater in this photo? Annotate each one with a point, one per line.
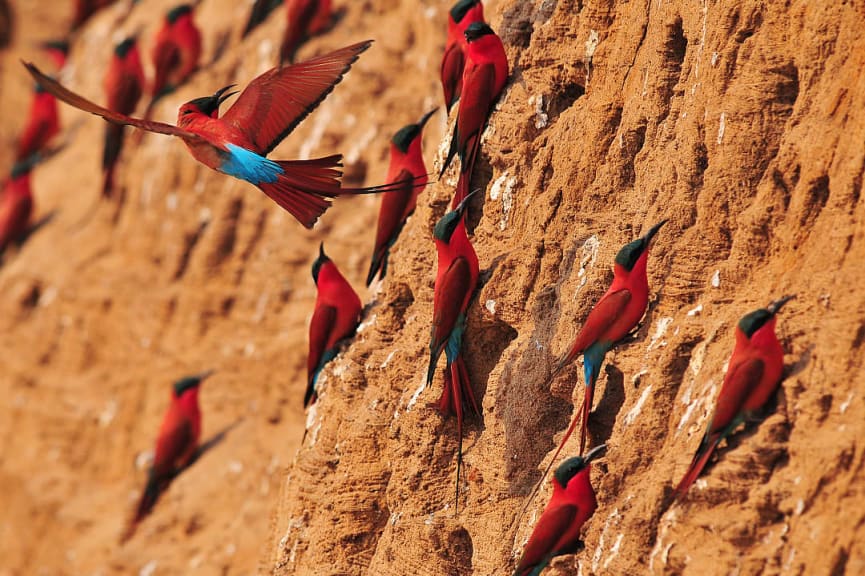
(43, 121)
(407, 166)
(484, 77)
(176, 446)
(124, 84)
(335, 318)
(461, 15)
(456, 281)
(266, 112)
(754, 373)
(305, 18)
(261, 9)
(558, 530)
(16, 205)
(613, 317)
(176, 53)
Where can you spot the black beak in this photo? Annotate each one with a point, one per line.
(220, 96)
(775, 306)
(653, 230)
(426, 117)
(461, 207)
(594, 453)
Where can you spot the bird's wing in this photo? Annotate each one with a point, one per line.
(450, 292)
(742, 378)
(277, 101)
(82, 103)
(451, 72)
(173, 445)
(166, 58)
(320, 330)
(127, 94)
(545, 539)
(603, 315)
(475, 101)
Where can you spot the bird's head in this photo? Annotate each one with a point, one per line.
(175, 13)
(573, 466)
(445, 227)
(461, 8)
(207, 105)
(630, 253)
(750, 323)
(122, 49)
(189, 383)
(319, 262)
(407, 134)
(477, 30)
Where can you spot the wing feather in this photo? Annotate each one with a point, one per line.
(277, 101)
(82, 103)
(449, 296)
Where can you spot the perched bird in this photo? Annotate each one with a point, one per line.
(43, 121)
(335, 318)
(407, 166)
(266, 112)
(484, 77)
(305, 18)
(261, 9)
(16, 205)
(176, 53)
(461, 15)
(176, 446)
(613, 317)
(753, 375)
(558, 530)
(456, 281)
(124, 84)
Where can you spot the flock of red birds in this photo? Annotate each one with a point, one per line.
(474, 72)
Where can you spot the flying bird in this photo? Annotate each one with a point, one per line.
(484, 76)
(305, 18)
(456, 281)
(264, 114)
(754, 373)
(558, 530)
(407, 166)
(335, 318)
(176, 446)
(124, 84)
(460, 16)
(176, 53)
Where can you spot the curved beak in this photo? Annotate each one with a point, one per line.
(654, 230)
(461, 207)
(775, 306)
(221, 96)
(321, 253)
(203, 375)
(595, 452)
(426, 117)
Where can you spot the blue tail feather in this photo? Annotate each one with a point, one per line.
(247, 165)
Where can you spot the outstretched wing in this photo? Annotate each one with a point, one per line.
(82, 103)
(277, 101)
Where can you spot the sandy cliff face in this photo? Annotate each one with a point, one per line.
(740, 122)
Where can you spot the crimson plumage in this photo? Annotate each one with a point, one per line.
(460, 16)
(753, 375)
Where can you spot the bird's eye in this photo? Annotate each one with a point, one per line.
(187, 112)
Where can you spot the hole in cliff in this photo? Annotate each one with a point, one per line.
(564, 97)
(460, 550)
(675, 46)
(840, 566)
(753, 24)
(818, 195)
(603, 418)
(190, 240)
(487, 337)
(226, 234)
(787, 90)
(516, 28)
(860, 336)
